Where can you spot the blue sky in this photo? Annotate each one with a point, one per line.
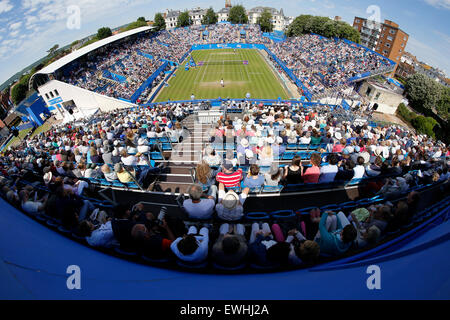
(28, 28)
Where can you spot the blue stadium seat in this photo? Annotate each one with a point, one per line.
(283, 214)
(187, 265)
(223, 268)
(256, 216)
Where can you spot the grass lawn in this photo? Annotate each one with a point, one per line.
(257, 78)
(44, 128)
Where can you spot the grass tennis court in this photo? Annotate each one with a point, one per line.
(256, 77)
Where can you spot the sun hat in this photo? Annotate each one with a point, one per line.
(338, 135)
(231, 200)
(249, 154)
(244, 143)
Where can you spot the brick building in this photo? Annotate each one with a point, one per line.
(385, 38)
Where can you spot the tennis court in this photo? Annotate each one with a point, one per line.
(242, 70)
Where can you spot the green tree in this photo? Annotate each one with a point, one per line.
(184, 20)
(238, 15)
(142, 19)
(134, 25)
(298, 26)
(443, 105)
(424, 125)
(53, 49)
(422, 93)
(323, 26)
(265, 21)
(160, 23)
(19, 92)
(210, 17)
(103, 33)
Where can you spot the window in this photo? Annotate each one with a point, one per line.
(385, 52)
(357, 20)
(403, 44)
(46, 95)
(389, 38)
(392, 31)
(56, 92)
(388, 45)
(51, 94)
(377, 96)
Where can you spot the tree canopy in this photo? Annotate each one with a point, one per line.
(53, 49)
(160, 23)
(184, 20)
(134, 25)
(103, 33)
(323, 26)
(424, 95)
(238, 15)
(142, 19)
(265, 21)
(210, 17)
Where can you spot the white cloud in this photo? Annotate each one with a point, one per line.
(5, 6)
(15, 26)
(439, 4)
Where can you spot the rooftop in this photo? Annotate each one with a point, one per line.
(51, 68)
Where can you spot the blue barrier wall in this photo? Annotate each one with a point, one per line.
(139, 52)
(148, 82)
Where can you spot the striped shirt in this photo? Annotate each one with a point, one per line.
(230, 180)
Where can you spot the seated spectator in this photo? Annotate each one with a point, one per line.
(328, 172)
(273, 177)
(374, 169)
(122, 225)
(301, 250)
(123, 175)
(264, 250)
(142, 146)
(107, 155)
(152, 242)
(346, 172)
(193, 247)
(230, 206)
(206, 177)
(359, 170)
(228, 177)
(211, 157)
(128, 159)
(100, 236)
(95, 157)
(293, 173)
(196, 207)
(30, 206)
(230, 249)
(108, 173)
(254, 179)
(312, 174)
(337, 240)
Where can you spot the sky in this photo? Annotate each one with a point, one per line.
(28, 28)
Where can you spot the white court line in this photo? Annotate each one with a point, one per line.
(246, 69)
